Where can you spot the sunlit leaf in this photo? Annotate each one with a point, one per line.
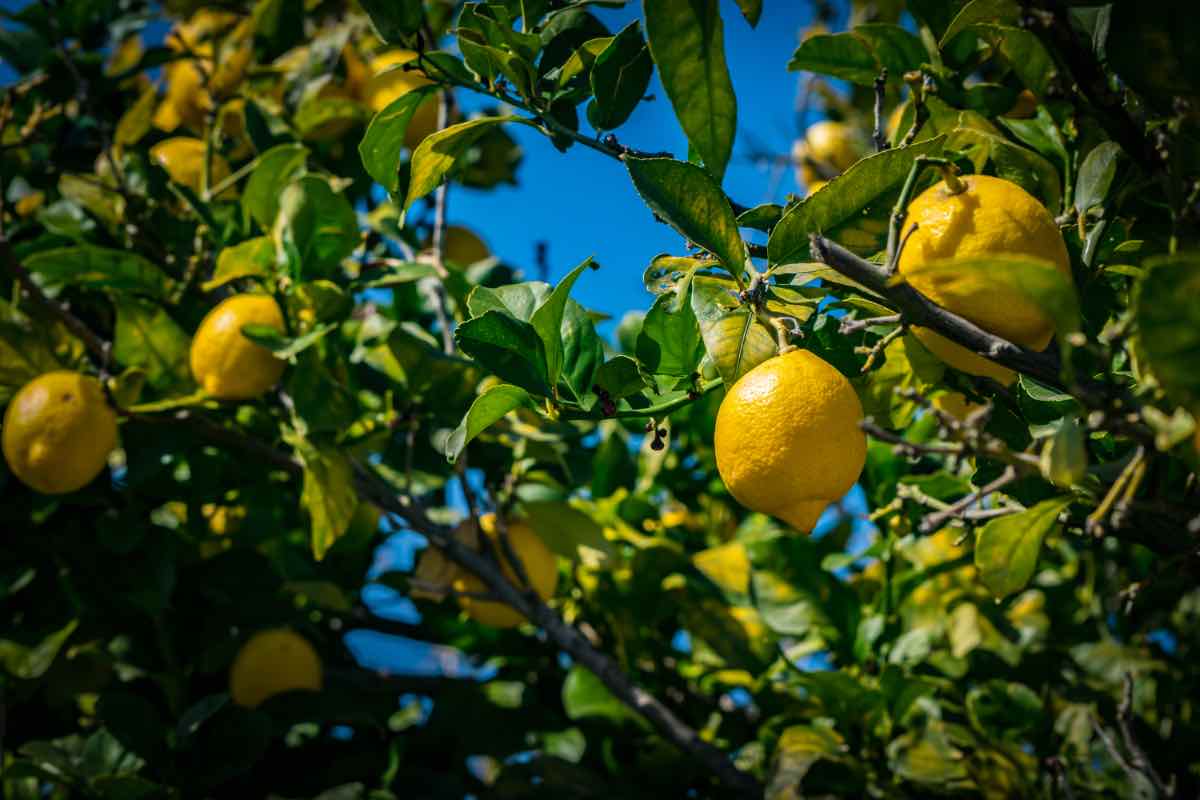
(488, 407)
(1007, 548)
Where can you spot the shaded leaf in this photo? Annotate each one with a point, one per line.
(316, 227)
(688, 199)
(508, 347)
(29, 663)
(148, 338)
(1167, 311)
(619, 77)
(842, 55)
(277, 167)
(92, 267)
(669, 342)
(1007, 548)
(328, 496)
(488, 407)
(547, 320)
(1096, 175)
(687, 40)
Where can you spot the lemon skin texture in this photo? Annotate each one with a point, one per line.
(992, 217)
(389, 83)
(226, 364)
(58, 432)
(272, 662)
(183, 159)
(787, 438)
(540, 567)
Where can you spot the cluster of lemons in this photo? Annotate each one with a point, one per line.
(788, 441)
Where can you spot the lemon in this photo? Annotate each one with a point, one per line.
(225, 363)
(834, 146)
(787, 438)
(58, 432)
(183, 159)
(991, 217)
(461, 246)
(540, 567)
(390, 81)
(270, 663)
(956, 405)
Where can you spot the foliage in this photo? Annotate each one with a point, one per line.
(1005, 608)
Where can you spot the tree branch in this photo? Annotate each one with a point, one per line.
(917, 309)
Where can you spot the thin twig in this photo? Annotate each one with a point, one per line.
(1137, 755)
(940, 518)
(849, 326)
(904, 445)
(881, 142)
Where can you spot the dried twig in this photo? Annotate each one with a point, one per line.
(881, 142)
(936, 520)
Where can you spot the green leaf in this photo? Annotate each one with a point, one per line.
(316, 227)
(567, 530)
(487, 409)
(1024, 167)
(895, 48)
(927, 758)
(842, 55)
(620, 76)
(318, 117)
(518, 299)
(1040, 282)
(620, 377)
(394, 20)
(735, 339)
(508, 347)
(691, 202)
(845, 196)
(1096, 175)
(799, 748)
(277, 167)
(980, 11)
(30, 346)
(29, 663)
(548, 318)
(383, 143)
(1167, 312)
(148, 338)
(751, 10)
(322, 401)
(328, 496)
(92, 267)
(285, 347)
(1024, 52)
(437, 153)
(584, 695)
(1007, 548)
(688, 44)
(137, 119)
(253, 258)
(1064, 456)
(670, 343)
(583, 353)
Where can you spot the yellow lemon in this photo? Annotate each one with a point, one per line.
(390, 81)
(183, 159)
(462, 246)
(270, 663)
(828, 148)
(58, 432)
(540, 568)
(787, 438)
(815, 186)
(225, 363)
(991, 217)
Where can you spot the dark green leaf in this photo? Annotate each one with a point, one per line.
(620, 377)
(619, 77)
(670, 343)
(94, 267)
(548, 318)
(147, 337)
(316, 227)
(1167, 311)
(29, 663)
(847, 195)
(688, 199)
(895, 48)
(328, 496)
(1096, 175)
(383, 143)
(751, 10)
(688, 44)
(1007, 548)
(842, 55)
(584, 695)
(488, 407)
(980, 11)
(277, 167)
(394, 20)
(508, 347)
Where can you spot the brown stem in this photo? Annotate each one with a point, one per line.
(940, 518)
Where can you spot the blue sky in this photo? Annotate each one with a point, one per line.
(583, 203)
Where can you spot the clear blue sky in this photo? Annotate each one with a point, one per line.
(583, 203)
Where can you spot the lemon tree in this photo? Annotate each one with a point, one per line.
(887, 489)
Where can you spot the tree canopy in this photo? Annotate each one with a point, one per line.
(232, 246)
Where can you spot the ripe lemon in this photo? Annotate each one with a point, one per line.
(833, 145)
(58, 432)
(956, 405)
(225, 363)
(991, 217)
(787, 439)
(389, 82)
(183, 159)
(270, 663)
(461, 246)
(540, 568)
